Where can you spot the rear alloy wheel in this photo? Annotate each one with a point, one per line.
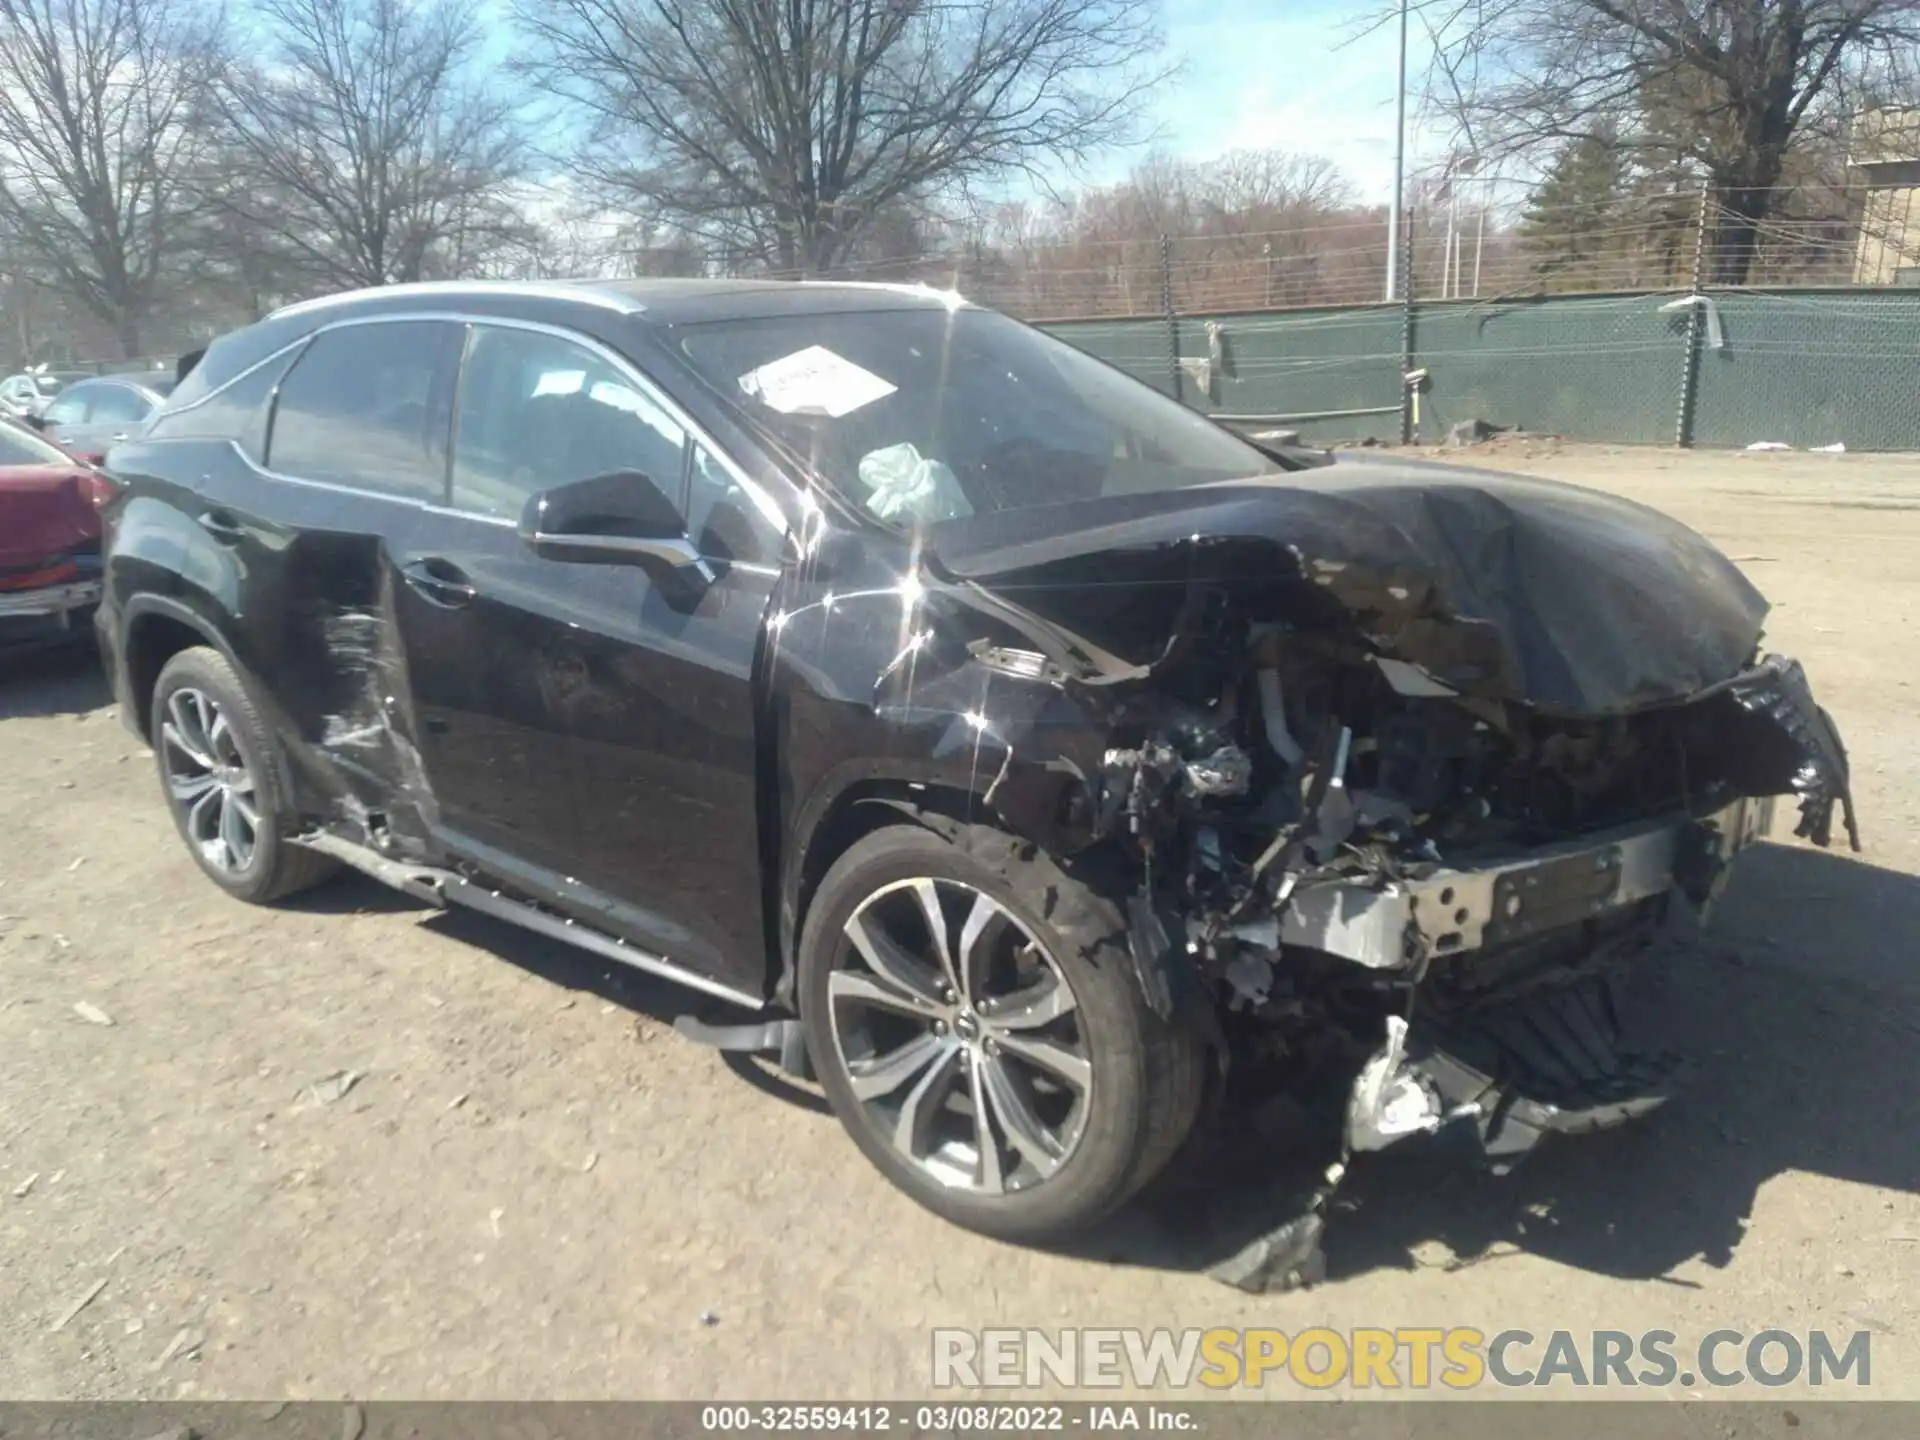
(1000, 1067)
(209, 782)
(217, 766)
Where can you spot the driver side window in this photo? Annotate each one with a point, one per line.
(537, 411)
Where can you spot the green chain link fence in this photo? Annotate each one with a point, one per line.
(1806, 368)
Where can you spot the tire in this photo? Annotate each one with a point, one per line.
(202, 712)
(1144, 1076)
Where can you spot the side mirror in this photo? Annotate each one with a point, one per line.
(622, 518)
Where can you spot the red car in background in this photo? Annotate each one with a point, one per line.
(50, 506)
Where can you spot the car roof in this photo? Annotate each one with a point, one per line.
(644, 301)
(663, 300)
(156, 384)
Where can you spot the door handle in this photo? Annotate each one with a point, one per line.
(441, 582)
(223, 527)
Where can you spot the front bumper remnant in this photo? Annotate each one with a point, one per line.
(1509, 898)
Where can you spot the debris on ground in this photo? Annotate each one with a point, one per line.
(709, 1319)
(25, 1187)
(493, 1219)
(1472, 432)
(335, 1086)
(593, 1159)
(1769, 445)
(91, 1013)
(66, 1318)
(458, 1100)
(184, 1345)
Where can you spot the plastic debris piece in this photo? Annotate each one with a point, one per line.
(91, 1013)
(335, 1086)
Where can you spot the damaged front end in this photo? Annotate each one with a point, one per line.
(1402, 857)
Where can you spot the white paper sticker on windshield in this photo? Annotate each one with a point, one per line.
(815, 381)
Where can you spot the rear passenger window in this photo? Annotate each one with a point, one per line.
(536, 411)
(237, 412)
(359, 408)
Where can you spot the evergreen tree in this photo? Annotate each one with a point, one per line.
(1567, 228)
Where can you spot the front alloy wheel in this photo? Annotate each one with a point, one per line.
(959, 1036)
(977, 1021)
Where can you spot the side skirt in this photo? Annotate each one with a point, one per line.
(442, 888)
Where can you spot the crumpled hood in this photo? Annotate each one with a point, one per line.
(46, 513)
(1503, 586)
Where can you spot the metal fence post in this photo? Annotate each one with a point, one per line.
(1173, 320)
(1690, 372)
(1406, 327)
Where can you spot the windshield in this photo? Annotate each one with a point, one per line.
(921, 415)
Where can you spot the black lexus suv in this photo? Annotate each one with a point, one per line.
(1041, 766)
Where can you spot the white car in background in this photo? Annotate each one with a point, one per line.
(29, 392)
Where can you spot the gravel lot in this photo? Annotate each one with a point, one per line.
(534, 1189)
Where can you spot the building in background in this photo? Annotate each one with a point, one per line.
(1885, 161)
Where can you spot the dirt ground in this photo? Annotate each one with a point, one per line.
(534, 1189)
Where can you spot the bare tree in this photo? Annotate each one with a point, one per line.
(362, 145)
(96, 133)
(776, 131)
(1727, 87)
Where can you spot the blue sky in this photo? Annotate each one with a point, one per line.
(1287, 75)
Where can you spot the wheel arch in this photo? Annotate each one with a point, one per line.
(841, 821)
(154, 629)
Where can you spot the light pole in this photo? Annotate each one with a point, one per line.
(1399, 162)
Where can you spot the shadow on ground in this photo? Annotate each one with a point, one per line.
(1806, 1058)
(659, 1000)
(63, 681)
(1797, 1007)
